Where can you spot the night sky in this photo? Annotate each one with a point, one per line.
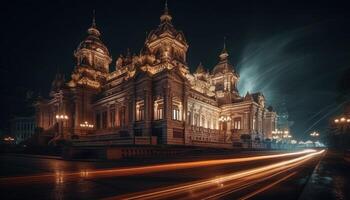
(292, 52)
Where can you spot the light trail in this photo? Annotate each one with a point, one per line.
(61, 177)
(221, 185)
(268, 186)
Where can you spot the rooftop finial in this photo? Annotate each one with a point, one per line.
(224, 49)
(224, 53)
(165, 17)
(93, 18)
(93, 29)
(166, 7)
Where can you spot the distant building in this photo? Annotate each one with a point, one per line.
(152, 93)
(22, 128)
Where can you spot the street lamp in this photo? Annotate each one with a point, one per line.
(343, 119)
(314, 135)
(61, 118)
(224, 119)
(86, 125)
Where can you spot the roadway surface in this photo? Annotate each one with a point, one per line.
(269, 175)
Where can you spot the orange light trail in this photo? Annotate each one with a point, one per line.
(222, 185)
(267, 187)
(64, 177)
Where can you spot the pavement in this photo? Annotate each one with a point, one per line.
(330, 180)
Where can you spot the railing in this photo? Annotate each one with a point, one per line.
(121, 141)
(206, 134)
(114, 139)
(107, 130)
(197, 129)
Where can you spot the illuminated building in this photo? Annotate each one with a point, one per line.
(152, 93)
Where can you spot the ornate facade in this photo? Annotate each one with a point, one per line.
(152, 93)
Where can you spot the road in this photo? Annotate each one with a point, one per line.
(240, 176)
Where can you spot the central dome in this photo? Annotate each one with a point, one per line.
(93, 41)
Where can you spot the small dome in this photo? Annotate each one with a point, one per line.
(166, 26)
(93, 41)
(223, 67)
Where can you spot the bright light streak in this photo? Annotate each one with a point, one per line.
(253, 174)
(141, 170)
(267, 187)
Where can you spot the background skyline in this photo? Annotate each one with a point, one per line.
(292, 52)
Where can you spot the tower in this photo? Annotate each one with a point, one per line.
(166, 43)
(90, 73)
(225, 79)
(93, 59)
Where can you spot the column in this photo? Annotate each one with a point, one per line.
(117, 115)
(77, 113)
(185, 113)
(167, 103)
(108, 116)
(147, 111)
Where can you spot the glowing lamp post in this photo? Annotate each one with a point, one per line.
(224, 120)
(341, 127)
(314, 135)
(86, 125)
(61, 119)
(342, 121)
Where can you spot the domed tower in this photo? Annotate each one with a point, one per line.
(167, 44)
(225, 79)
(93, 60)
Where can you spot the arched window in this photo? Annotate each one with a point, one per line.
(140, 110)
(195, 120)
(176, 113)
(237, 123)
(189, 118)
(202, 121)
(176, 109)
(158, 109)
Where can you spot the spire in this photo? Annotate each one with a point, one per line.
(93, 29)
(224, 53)
(224, 49)
(248, 96)
(166, 16)
(166, 10)
(200, 68)
(93, 19)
